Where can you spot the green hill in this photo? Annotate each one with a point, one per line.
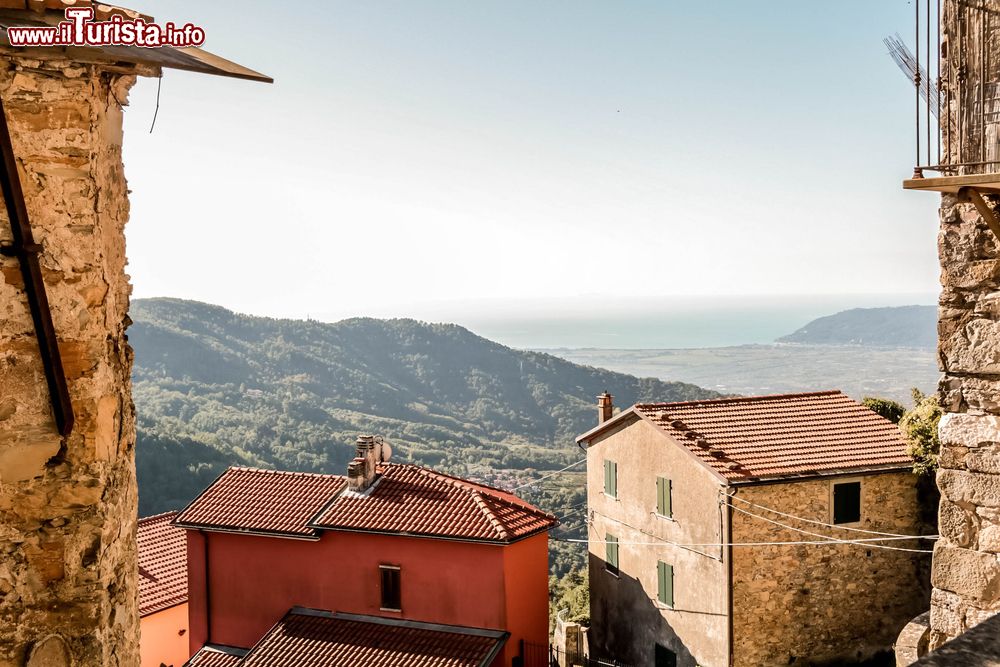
(213, 388)
(902, 326)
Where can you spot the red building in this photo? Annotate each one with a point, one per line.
(402, 548)
(163, 610)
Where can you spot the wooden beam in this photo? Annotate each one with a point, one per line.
(971, 195)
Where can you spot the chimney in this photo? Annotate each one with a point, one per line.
(605, 408)
(361, 470)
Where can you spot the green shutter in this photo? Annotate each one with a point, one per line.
(663, 499)
(611, 478)
(665, 583)
(611, 547)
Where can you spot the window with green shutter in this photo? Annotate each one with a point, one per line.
(611, 560)
(665, 583)
(611, 478)
(663, 500)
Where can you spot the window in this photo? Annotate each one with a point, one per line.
(665, 657)
(391, 597)
(611, 560)
(665, 583)
(611, 478)
(847, 502)
(663, 500)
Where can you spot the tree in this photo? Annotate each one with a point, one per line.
(919, 427)
(885, 407)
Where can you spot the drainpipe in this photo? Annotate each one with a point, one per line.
(729, 565)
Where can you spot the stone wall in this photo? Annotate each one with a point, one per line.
(67, 506)
(824, 604)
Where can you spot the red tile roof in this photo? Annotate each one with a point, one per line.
(262, 501)
(309, 638)
(162, 564)
(792, 435)
(213, 655)
(418, 501)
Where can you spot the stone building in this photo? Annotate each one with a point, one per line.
(751, 531)
(964, 151)
(68, 573)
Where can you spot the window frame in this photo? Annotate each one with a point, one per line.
(612, 468)
(664, 576)
(611, 544)
(669, 483)
(383, 569)
(833, 502)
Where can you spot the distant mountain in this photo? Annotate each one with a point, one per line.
(903, 326)
(212, 388)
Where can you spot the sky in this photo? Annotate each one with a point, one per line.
(432, 158)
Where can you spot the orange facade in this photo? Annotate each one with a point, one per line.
(164, 639)
(240, 585)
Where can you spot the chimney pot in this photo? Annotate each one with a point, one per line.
(361, 470)
(605, 407)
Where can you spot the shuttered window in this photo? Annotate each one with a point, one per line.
(611, 560)
(611, 478)
(663, 500)
(665, 583)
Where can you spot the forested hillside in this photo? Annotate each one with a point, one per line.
(213, 388)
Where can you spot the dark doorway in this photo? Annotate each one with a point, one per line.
(665, 657)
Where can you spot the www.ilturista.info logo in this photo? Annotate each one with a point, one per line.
(80, 29)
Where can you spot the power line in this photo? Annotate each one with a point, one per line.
(738, 544)
(561, 470)
(830, 525)
(865, 541)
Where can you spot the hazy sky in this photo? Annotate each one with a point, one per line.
(413, 153)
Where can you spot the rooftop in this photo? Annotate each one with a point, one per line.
(214, 655)
(311, 638)
(262, 501)
(782, 436)
(404, 499)
(162, 564)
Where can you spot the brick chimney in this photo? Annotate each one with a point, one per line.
(605, 407)
(361, 470)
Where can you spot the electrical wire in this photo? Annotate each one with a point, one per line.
(561, 470)
(830, 525)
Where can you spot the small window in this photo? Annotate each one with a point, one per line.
(611, 562)
(663, 500)
(391, 596)
(665, 583)
(847, 502)
(611, 478)
(665, 657)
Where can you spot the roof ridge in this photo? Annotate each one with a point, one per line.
(155, 517)
(742, 399)
(498, 525)
(275, 471)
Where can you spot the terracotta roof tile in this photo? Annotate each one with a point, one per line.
(265, 501)
(162, 564)
(213, 655)
(308, 638)
(418, 501)
(784, 435)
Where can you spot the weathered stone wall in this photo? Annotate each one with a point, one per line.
(824, 604)
(67, 506)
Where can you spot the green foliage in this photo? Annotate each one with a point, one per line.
(214, 388)
(885, 407)
(570, 595)
(920, 430)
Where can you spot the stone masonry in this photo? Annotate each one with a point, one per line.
(68, 576)
(825, 604)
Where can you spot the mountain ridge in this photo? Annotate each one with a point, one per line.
(892, 326)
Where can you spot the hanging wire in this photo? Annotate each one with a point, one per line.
(831, 525)
(156, 111)
(561, 470)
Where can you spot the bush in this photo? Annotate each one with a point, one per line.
(920, 430)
